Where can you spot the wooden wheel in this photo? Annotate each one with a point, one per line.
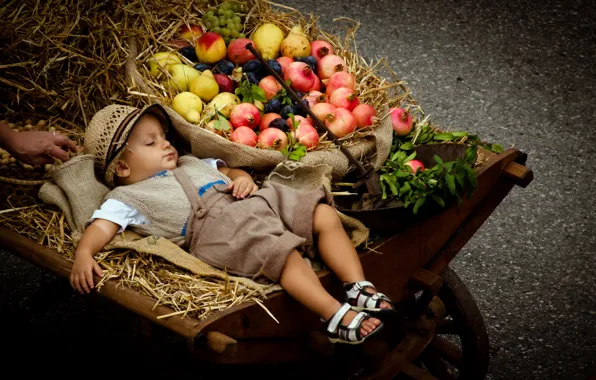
(460, 349)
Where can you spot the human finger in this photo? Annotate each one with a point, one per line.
(254, 188)
(83, 282)
(242, 188)
(76, 284)
(97, 269)
(89, 278)
(57, 152)
(64, 141)
(248, 190)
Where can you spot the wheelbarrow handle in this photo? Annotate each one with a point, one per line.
(318, 123)
(519, 174)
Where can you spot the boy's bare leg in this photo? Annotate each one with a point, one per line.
(336, 249)
(301, 282)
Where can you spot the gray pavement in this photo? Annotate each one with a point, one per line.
(520, 73)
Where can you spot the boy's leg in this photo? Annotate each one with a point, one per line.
(301, 282)
(336, 248)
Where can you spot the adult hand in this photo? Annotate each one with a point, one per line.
(38, 148)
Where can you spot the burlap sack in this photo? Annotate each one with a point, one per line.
(76, 191)
(206, 144)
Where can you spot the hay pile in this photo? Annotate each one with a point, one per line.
(63, 60)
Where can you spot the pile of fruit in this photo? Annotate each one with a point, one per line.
(218, 84)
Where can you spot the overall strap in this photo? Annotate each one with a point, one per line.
(198, 205)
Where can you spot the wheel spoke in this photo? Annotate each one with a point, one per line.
(447, 326)
(447, 351)
(433, 362)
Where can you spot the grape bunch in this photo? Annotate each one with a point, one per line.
(226, 20)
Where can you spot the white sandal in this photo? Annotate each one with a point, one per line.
(350, 334)
(361, 300)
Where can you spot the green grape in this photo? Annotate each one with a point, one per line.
(226, 40)
(234, 33)
(241, 35)
(235, 7)
(210, 14)
(212, 18)
(229, 22)
(215, 22)
(236, 19)
(229, 13)
(222, 20)
(208, 25)
(217, 30)
(221, 12)
(225, 6)
(225, 31)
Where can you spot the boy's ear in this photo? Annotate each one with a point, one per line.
(122, 169)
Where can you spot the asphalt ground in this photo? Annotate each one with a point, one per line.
(518, 73)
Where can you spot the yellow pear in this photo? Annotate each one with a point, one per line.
(208, 73)
(189, 106)
(181, 77)
(296, 44)
(162, 60)
(223, 103)
(268, 38)
(204, 86)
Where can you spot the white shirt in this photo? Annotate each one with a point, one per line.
(125, 215)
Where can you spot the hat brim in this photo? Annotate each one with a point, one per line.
(123, 133)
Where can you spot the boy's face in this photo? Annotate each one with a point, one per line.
(147, 154)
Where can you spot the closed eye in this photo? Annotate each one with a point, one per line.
(150, 143)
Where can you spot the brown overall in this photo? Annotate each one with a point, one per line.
(254, 236)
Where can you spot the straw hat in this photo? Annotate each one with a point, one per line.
(108, 132)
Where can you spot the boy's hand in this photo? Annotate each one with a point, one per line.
(242, 187)
(81, 275)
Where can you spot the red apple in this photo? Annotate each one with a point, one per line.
(190, 32)
(225, 83)
(238, 53)
(415, 165)
(401, 121)
(270, 85)
(245, 136)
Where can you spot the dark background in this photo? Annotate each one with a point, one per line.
(519, 73)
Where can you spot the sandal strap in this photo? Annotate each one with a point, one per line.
(351, 332)
(335, 321)
(355, 292)
(359, 285)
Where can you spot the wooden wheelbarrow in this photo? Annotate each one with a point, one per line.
(443, 335)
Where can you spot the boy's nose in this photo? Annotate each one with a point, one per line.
(166, 144)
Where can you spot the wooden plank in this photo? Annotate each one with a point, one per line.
(425, 280)
(130, 299)
(519, 174)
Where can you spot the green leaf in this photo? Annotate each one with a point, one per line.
(496, 148)
(460, 176)
(471, 154)
(258, 93)
(450, 183)
(402, 174)
(389, 180)
(384, 190)
(405, 188)
(459, 134)
(438, 199)
(410, 157)
(443, 137)
(406, 146)
(418, 204)
(432, 182)
(438, 159)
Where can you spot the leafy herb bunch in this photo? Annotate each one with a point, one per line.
(441, 183)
